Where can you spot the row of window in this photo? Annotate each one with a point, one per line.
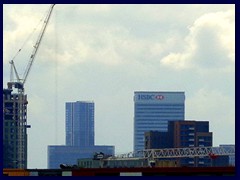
(159, 105)
(142, 130)
(156, 123)
(170, 117)
(158, 110)
(158, 115)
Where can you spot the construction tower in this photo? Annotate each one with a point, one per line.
(15, 110)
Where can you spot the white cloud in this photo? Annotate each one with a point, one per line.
(209, 44)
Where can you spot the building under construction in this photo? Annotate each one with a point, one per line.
(14, 128)
(15, 110)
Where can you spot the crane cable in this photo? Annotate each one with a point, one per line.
(56, 82)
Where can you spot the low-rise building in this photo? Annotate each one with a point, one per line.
(112, 163)
(182, 134)
(69, 154)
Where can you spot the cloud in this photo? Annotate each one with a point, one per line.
(209, 44)
(20, 22)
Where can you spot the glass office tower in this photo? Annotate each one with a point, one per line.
(80, 124)
(79, 137)
(153, 110)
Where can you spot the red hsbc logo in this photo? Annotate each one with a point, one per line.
(159, 97)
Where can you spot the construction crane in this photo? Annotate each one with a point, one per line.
(19, 84)
(19, 100)
(153, 154)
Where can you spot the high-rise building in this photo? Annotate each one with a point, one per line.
(79, 136)
(14, 129)
(153, 110)
(80, 123)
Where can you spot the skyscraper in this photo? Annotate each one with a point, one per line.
(153, 110)
(79, 136)
(80, 123)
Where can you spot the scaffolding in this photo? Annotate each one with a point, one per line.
(15, 125)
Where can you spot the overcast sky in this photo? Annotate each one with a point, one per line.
(103, 53)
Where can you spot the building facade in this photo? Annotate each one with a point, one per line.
(80, 124)
(70, 154)
(183, 134)
(191, 134)
(14, 129)
(157, 140)
(153, 110)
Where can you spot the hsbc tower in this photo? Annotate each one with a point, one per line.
(153, 110)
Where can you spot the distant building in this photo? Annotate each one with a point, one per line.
(182, 134)
(157, 140)
(231, 159)
(79, 136)
(191, 134)
(114, 163)
(69, 154)
(80, 123)
(14, 129)
(124, 163)
(153, 110)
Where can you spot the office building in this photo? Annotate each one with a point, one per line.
(70, 154)
(14, 129)
(191, 134)
(153, 110)
(79, 127)
(183, 134)
(79, 124)
(157, 140)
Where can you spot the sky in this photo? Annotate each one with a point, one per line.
(103, 53)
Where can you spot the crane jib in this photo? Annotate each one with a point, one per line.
(33, 54)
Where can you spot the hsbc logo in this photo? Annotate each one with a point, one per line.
(159, 97)
(150, 97)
